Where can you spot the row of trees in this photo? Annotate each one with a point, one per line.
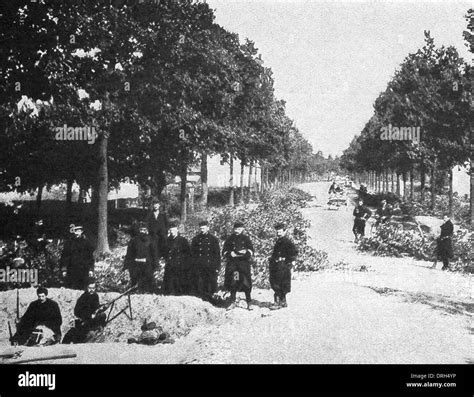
(162, 84)
(432, 91)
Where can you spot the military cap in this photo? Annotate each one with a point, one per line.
(238, 224)
(204, 223)
(280, 226)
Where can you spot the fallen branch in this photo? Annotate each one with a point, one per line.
(55, 357)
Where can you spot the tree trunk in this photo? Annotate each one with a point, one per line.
(412, 181)
(231, 181)
(242, 172)
(404, 177)
(398, 184)
(158, 184)
(191, 199)
(471, 171)
(392, 177)
(204, 186)
(39, 196)
(182, 196)
(433, 186)
(69, 183)
(102, 192)
(250, 181)
(451, 209)
(422, 183)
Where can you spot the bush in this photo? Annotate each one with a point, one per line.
(396, 240)
(460, 208)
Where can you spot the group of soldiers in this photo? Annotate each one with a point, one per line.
(41, 323)
(362, 213)
(190, 269)
(384, 212)
(193, 268)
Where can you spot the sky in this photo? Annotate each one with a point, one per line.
(332, 59)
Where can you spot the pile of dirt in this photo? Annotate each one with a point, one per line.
(177, 315)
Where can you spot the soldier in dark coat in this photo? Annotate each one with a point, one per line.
(141, 260)
(206, 261)
(77, 259)
(42, 312)
(37, 241)
(384, 212)
(158, 226)
(89, 318)
(176, 280)
(444, 248)
(283, 257)
(238, 251)
(361, 213)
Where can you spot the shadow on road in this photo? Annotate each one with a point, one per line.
(437, 302)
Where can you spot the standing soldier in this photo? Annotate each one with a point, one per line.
(38, 240)
(384, 212)
(77, 259)
(142, 259)
(176, 277)
(238, 251)
(206, 262)
(158, 226)
(282, 259)
(361, 213)
(444, 248)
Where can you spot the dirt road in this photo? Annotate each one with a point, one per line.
(399, 311)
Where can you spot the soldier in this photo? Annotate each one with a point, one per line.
(283, 257)
(238, 251)
(384, 212)
(444, 248)
(176, 277)
(89, 318)
(141, 260)
(361, 213)
(77, 259)
(206, 262)
(158, 226)
(41, 313)
(38, 240)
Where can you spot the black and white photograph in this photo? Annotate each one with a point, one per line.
(220, 182)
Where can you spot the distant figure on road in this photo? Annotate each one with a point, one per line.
(89, 319)
(206, 258)
(361, 214)
(176, 279)
(362, 191)
(142, 259)
(41, 323)
(282, 259)
(158, 226)
(384, 212)
(444, 248)
(238, 251)
(77, 260)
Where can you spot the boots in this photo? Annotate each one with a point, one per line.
(277, 303)
(283, 302)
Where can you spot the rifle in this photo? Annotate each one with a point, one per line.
(105, 306)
